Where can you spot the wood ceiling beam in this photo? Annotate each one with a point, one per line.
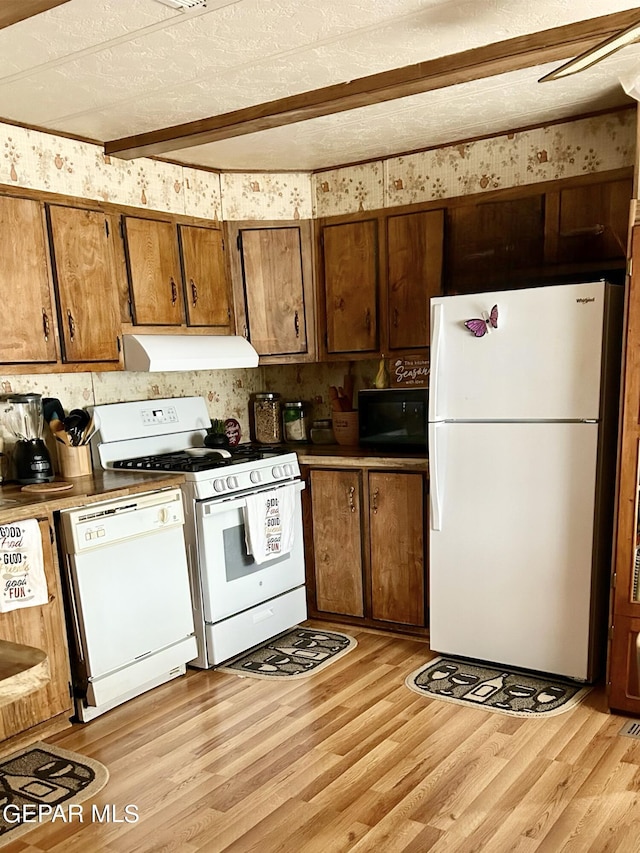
(12, 11)
(513, 54)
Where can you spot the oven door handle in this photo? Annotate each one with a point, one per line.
(216, 506)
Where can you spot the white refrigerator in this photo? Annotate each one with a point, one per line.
(523, 404)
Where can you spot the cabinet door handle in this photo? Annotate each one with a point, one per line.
(352, 505)
(45, 325)
(194, 291)
(296, 324)
(395, 318)
(374, 501)
(174, 292)
(72, 325)
(367, 320)
(587, 231)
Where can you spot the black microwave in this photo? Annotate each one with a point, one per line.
(393, 418)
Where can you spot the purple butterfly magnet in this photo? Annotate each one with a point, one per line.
(479, 327)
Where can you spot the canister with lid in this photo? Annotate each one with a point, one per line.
(322, 432)
(295, 421)
(267, 417)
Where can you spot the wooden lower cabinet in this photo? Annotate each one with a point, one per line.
(396, 540)
(624, 671)
(43, 628)
(365, 547)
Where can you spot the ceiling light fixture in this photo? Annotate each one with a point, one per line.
(183, 5)
(595, 54)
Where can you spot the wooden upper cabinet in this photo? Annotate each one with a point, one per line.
(350, 257)
(396, 503)
(414, 275)
(495, 244)
(206, 284)
(84, 274)
(272, 262)
(588, 223)
(272, 275)
(153, 265)
(28, 334)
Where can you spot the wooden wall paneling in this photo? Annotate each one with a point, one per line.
(625, 604)
(42, 627)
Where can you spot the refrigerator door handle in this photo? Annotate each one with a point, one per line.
(435, 356)
(435, 479)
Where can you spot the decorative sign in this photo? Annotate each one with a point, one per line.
(412, 370)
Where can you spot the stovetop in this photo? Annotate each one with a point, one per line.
(195, 459)
(169, 435)
(210, 475)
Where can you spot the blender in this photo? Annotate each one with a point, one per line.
(31, 459)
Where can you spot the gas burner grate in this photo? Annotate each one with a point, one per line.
(173, 462)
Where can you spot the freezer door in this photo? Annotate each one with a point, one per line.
(511, 563)
(542, 362)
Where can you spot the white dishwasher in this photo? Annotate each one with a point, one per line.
(128, 597)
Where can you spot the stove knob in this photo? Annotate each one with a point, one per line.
(255, 477)
(288, 470)
(276, 471)
(232, 482)
(219, 485)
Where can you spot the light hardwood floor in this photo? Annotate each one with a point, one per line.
(350, 759)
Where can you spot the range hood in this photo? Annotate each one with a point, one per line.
(154, 353)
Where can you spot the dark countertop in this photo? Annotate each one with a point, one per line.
(352, 456)
(16, 504)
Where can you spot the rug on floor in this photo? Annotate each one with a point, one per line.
(495, 688)
(43, 782)
(294, 654)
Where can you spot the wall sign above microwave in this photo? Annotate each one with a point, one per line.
(412, 371)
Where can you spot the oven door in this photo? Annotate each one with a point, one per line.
(230, 578)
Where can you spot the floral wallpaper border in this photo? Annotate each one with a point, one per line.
(38, 160)
(594, 144)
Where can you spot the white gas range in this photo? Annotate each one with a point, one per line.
(239, 600)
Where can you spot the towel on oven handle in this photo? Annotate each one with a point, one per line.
(24, 583)
(269, 523)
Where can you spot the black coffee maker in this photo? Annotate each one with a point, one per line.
(31, 459)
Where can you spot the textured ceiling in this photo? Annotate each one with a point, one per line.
(103, 69)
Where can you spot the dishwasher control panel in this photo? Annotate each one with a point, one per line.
(102, 524)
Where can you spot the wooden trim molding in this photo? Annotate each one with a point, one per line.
(511, 55)
(12, 11)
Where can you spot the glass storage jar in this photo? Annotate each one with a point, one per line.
(266, 417)
(295, 421)
(322, 432)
